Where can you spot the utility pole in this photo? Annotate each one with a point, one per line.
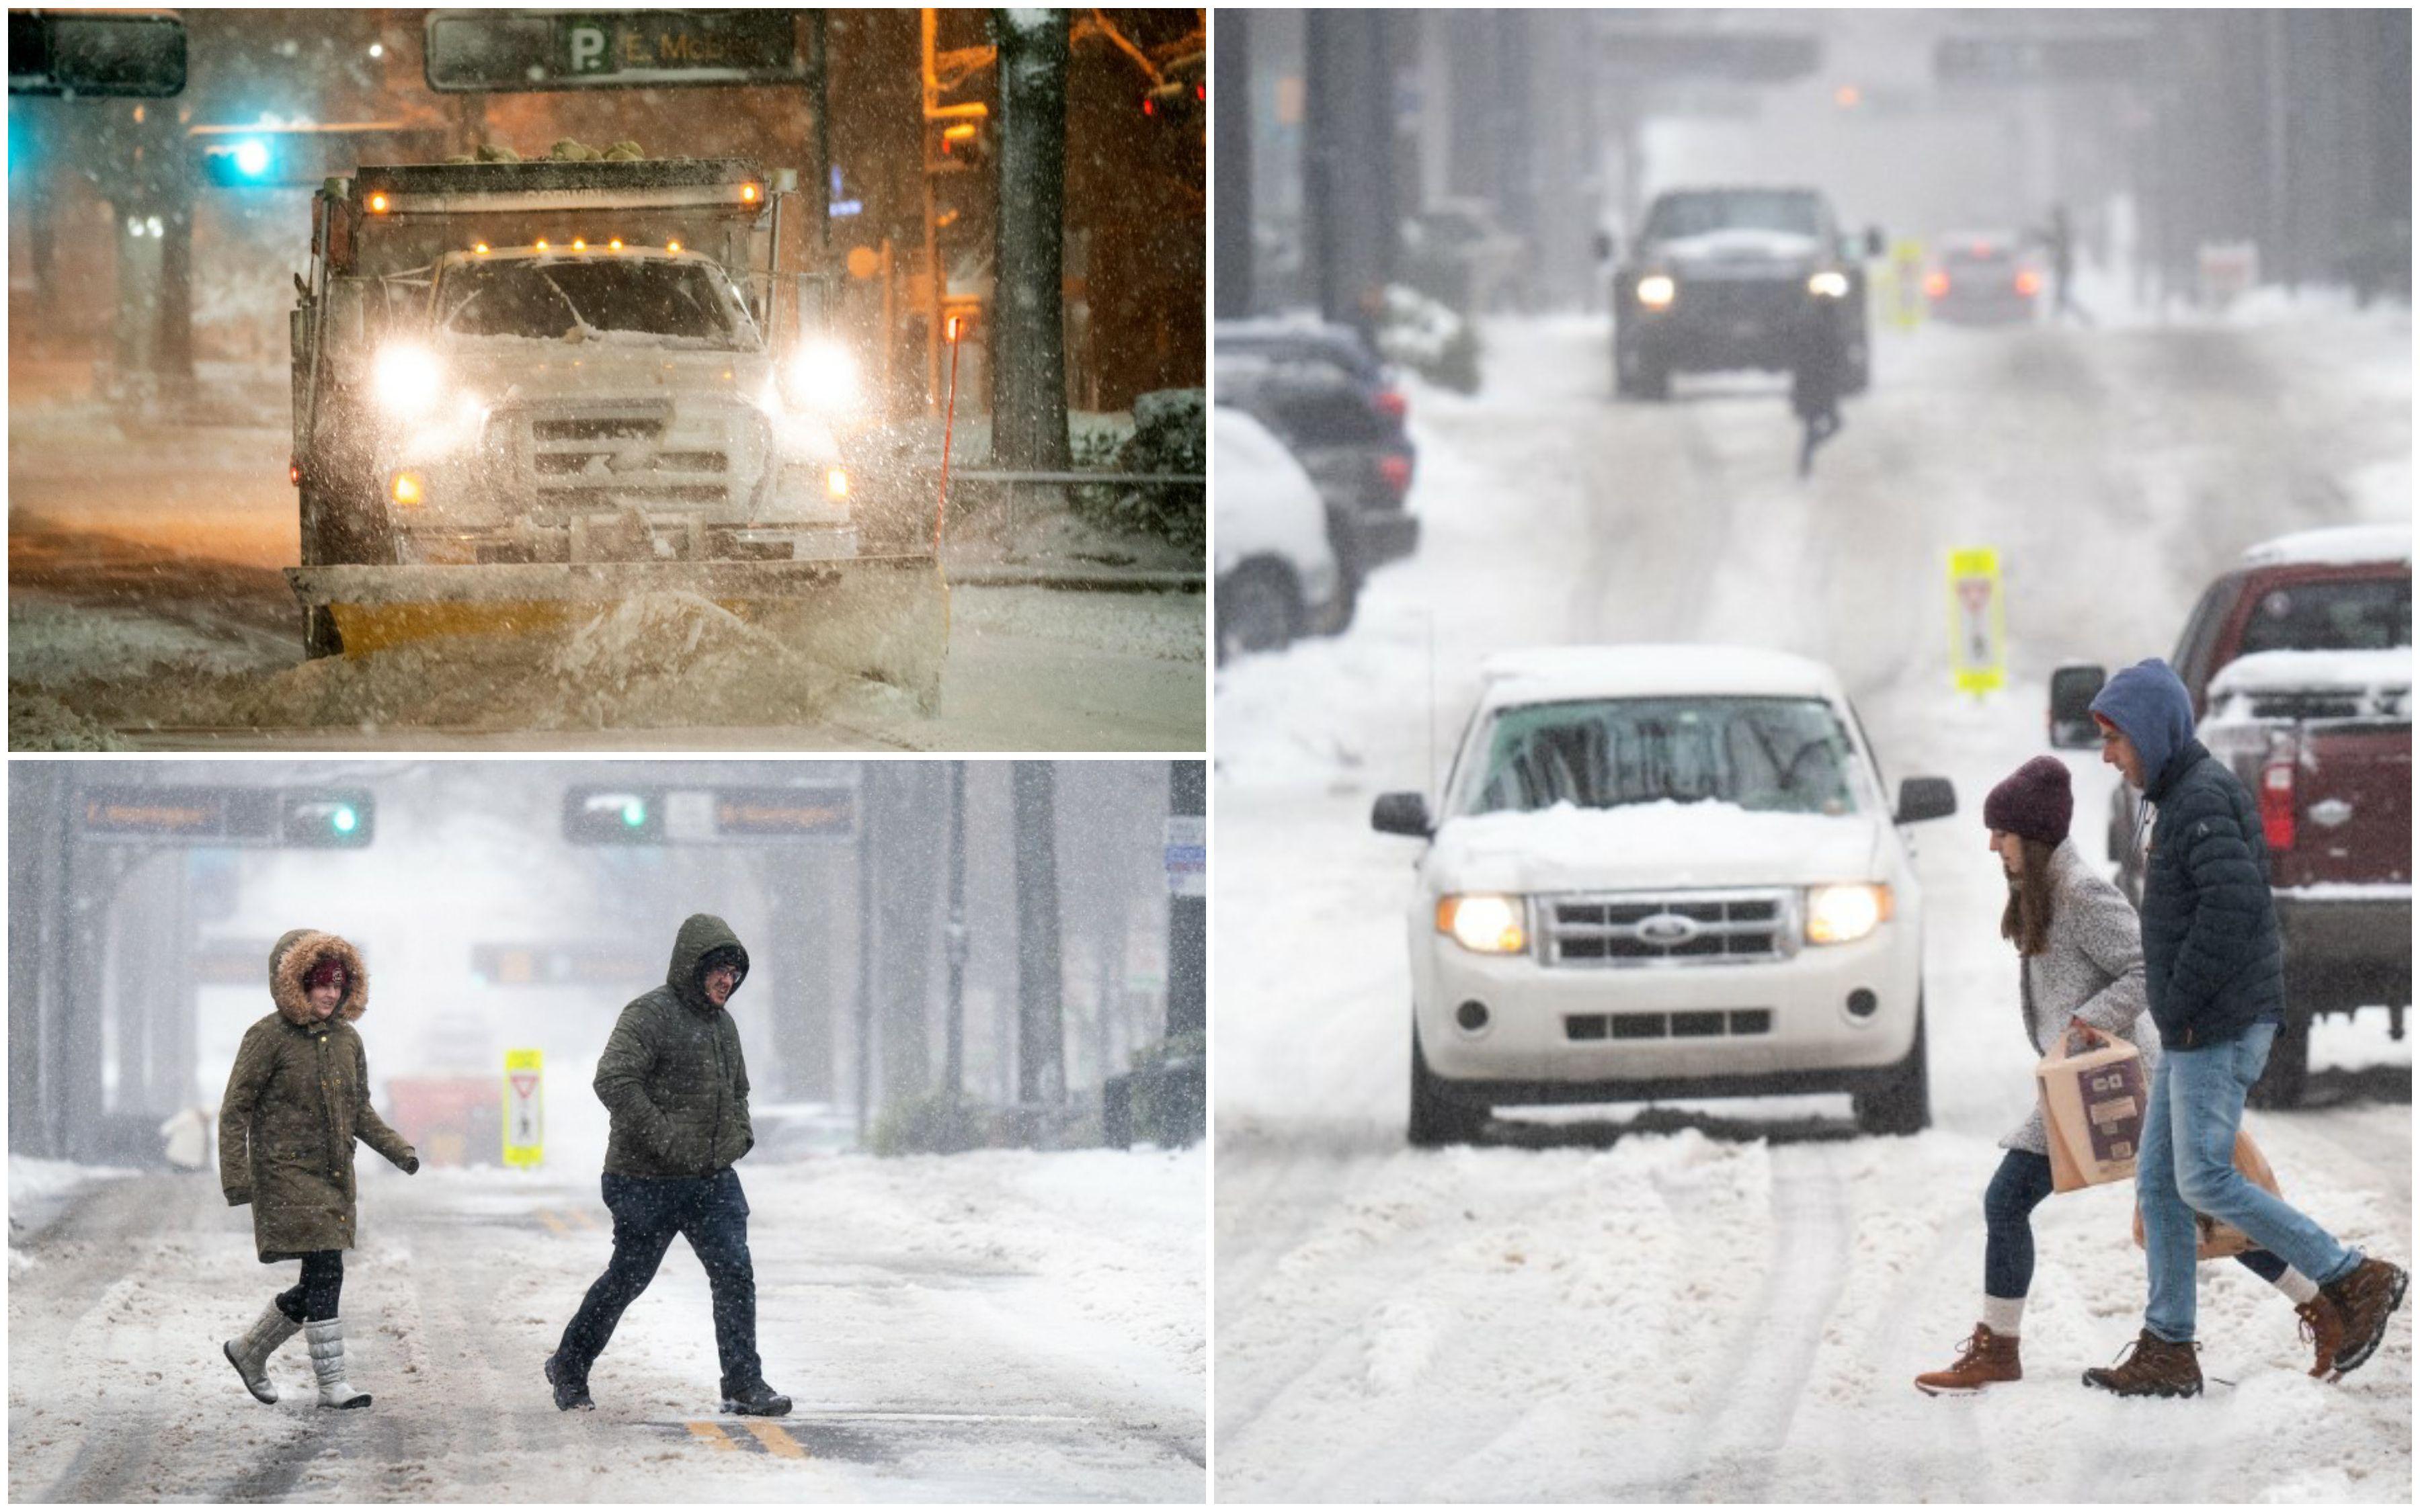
(1188, 916)
(1041, 1050)
(954, 1056)
(1231, 73)
(866, 854)
(1027, 344)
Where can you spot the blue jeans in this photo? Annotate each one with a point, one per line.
(2188, 1167)
(2018, 1187)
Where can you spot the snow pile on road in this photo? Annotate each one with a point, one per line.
(39, 1189)
(37, 721)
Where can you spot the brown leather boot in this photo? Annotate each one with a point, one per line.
(2150, 1367)
(1985, 1360)
(2323, 1329)
(2365, 1300)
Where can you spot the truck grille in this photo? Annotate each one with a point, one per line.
(1618, 929)
(1766, 300)
(1701, 1024)
(575, 457)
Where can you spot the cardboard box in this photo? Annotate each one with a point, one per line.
(2094, 1097)
(2215, 1240)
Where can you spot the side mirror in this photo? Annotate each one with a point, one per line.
(2072, 688)
(1875, 246)
(1402, 813)
(1925, 798)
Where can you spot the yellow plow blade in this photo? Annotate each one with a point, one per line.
(885, 617)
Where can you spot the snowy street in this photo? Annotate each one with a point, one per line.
(1728, 1302)
(147, 607)
(1001, 1326)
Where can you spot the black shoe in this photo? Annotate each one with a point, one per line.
(755, 1399)
(569, 1391)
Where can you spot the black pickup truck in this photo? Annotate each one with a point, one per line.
(1718, 279)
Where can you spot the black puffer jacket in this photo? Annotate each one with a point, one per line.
(2213, 960)
(672, 1075)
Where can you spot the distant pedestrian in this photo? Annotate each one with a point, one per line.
(296, 1100)
(676, 1086)
(2058, 238)
(2079, 962)
(1819, 362)
(2215, 974)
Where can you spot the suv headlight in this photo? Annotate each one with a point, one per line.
(1656, 290)
(1485, 922)
(1839, 915)
(405, 380)
(1830, 284)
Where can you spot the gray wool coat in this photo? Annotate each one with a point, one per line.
(2091, 969)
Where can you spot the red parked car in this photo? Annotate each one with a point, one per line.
(2298, 662)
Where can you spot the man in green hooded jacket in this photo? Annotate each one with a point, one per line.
(673, 1079)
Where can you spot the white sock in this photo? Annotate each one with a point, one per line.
(2004, 1315)
(2298, 1287)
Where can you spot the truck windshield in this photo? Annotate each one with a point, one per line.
(688, 302)
(1769, 755)
(1696, 213)
(2346, 614)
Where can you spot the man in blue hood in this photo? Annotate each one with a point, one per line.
(2214, 968)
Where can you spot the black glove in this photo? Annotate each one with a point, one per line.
(238, 1196)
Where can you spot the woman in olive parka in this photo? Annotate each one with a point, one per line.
(298, 1098)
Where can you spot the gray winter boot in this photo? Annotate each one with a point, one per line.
(327, 1336)
(249, 1351)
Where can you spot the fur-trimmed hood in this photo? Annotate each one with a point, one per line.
(291, 959)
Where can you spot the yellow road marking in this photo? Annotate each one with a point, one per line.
(552, 1222)
(711, 1434)
(580, 1216)
(776, 1439)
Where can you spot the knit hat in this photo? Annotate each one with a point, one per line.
(2035, 801)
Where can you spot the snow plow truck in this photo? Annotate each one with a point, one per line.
(525, 392)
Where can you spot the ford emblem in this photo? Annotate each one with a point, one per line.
(1668, 928)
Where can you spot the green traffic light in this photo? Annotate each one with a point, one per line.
(634, 813)
(345, 820)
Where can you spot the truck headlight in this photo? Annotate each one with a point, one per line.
(1831, 283)
(405, 380)
(1655, 290)
(1839, 915)
(823, 377)
(1484, 923)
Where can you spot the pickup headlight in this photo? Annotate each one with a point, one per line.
(405, 380)
(1487, 923)
(1656, 290)
(1831, 283)
(822, 377)
(1839, 915)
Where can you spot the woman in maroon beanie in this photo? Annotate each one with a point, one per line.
(2080, 960)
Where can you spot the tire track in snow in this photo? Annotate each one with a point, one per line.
(1745, 1422)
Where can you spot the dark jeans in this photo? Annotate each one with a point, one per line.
(313, 1298)
(711, 1213)
(2009, 1203)
(1822, 427)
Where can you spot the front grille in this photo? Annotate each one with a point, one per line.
(1681, 929)
(1697, 1023)
(1743, 298)
(580, 455)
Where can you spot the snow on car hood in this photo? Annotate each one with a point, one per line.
(1650, 845)
(608, 364)
(2292, 671)
(1739, 246)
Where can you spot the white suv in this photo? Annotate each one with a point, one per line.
(1664, 872)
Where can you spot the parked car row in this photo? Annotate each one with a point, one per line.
(1320, 451)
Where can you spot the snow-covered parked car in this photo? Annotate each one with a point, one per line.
(1277, 576)
(1664, 872)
